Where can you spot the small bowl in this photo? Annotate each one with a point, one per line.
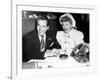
(63, 56)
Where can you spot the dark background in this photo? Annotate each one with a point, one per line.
(82, 22)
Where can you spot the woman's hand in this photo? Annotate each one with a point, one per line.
(52, 53)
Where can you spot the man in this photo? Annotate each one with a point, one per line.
(36, 42)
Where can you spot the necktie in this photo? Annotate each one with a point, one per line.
(42, 47)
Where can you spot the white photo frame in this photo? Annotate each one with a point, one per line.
(17, 72)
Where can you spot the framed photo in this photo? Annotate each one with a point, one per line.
(24, 21)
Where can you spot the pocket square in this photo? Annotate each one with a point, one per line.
(51, 44)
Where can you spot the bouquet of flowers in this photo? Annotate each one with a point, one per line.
(81, 53)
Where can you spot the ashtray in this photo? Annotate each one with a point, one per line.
(63, 56)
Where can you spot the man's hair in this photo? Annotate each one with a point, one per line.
(42, 17)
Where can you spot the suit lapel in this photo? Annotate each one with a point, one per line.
(37, 41)
(48, 41)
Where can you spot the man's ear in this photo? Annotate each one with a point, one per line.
(48, 28)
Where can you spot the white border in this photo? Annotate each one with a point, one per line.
(17, 72)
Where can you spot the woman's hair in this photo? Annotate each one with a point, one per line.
(67, 18)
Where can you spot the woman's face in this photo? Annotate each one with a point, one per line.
(66, 26)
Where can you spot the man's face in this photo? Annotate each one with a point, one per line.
(42, 26)
(66, 26)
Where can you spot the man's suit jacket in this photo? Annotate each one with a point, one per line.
(31, 45)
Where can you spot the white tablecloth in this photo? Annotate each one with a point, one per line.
(55, 62)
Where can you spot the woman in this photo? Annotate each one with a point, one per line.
(69, 37)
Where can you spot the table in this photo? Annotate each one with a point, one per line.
(53, 62)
